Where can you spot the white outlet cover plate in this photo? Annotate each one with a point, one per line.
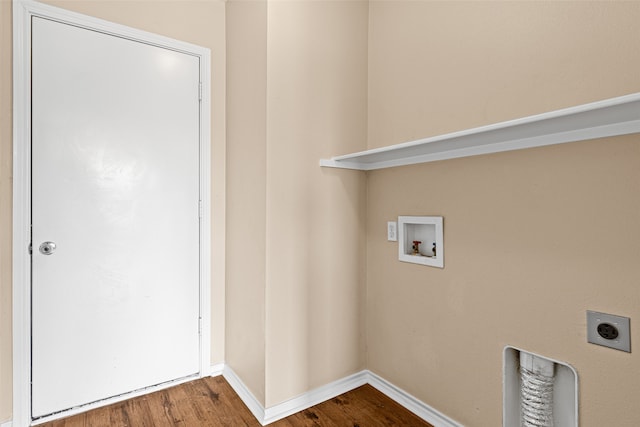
(392, 231)
(622, 342)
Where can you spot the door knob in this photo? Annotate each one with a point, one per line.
(47, 248)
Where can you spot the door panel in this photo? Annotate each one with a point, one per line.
(115, 137)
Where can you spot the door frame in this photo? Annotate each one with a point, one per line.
(23, 11)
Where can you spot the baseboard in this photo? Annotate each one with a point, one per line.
(282, 410)
(314, 397)
(215, 370)
(246, 396)
(421, 409)
(324, 393)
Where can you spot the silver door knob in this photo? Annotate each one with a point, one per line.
(47, 248)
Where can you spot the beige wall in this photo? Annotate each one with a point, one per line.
(316, 106)
(197, 22)
(246, 196)
(440, 66)
(296, 243)
(533, 238)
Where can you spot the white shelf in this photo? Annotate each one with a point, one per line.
(610, 117)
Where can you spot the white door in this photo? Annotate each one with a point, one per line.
(115, 141)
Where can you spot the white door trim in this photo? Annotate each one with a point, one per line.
(23, 11)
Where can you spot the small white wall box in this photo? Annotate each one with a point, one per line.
(424, 229)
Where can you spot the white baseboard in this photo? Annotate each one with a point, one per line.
(247, 397)
(282, 410)
(214, 371)
(421, 409)
(314, 397)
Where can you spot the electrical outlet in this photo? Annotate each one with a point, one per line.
(609, 330)
(392, 231)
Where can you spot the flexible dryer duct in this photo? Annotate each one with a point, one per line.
(536, 393)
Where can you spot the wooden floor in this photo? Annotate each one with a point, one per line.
(212, 402)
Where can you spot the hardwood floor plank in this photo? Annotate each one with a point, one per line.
(99, 418)
(160, 415)
(230, 408)
(138, 412)
(182, 403)
(211, 402)
(201, 404)
(117, 417)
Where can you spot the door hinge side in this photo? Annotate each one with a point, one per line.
(199, 325)
(199, 91)
(199, 208)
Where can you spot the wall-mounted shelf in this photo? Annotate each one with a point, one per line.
(610, 117)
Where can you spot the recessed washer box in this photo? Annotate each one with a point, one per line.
(427, 230)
